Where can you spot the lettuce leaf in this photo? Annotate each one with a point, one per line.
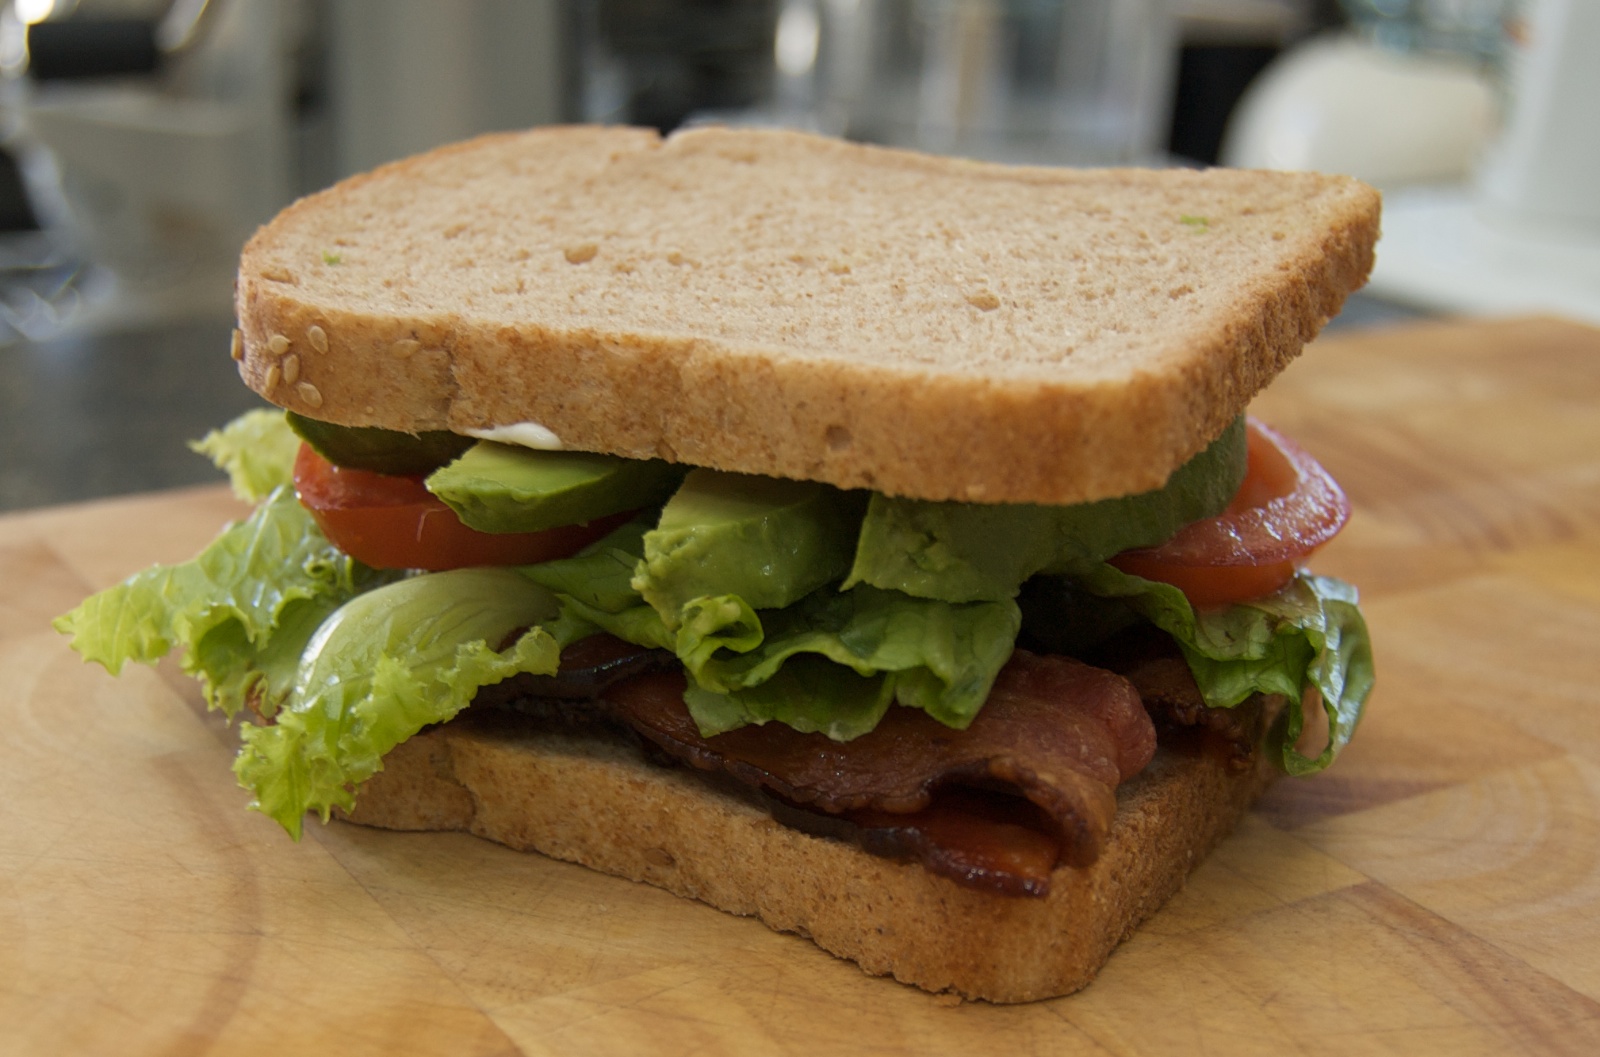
(596, 591)
(935, 656)
(243, 609)
(387, 664)
(831, 662)
(1310, 634)
(809, 693)
(256, 451)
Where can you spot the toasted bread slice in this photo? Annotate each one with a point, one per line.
(795, 306)
(596, 800)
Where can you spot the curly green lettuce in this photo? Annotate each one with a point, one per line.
(387, 664)
(831, 662)
(256, 451)
(1309, 635)
(242, 611)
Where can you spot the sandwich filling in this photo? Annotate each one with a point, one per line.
(1029, 784)
(853, 655)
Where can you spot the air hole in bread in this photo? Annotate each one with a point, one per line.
(838, 438)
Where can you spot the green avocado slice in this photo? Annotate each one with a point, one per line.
(969, 552)
(506, 488)
(767, 540)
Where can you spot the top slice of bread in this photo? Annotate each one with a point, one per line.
(790, 305)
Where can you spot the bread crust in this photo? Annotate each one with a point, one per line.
(596, 801)
(796, 306)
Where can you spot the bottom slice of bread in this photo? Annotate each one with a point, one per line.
(597, 801)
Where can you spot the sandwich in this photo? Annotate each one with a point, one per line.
(873, 543)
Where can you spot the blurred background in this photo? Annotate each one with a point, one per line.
(141, 141)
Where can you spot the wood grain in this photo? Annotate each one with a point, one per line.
(1437, 892)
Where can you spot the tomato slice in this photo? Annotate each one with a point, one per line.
(1287, 507)
(393, 522)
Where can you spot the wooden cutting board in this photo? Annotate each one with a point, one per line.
(1437, 893)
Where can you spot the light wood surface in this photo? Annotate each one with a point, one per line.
(1438, 892)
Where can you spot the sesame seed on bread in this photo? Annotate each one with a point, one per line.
(790, 305)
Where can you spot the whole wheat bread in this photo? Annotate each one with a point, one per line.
(789, 305)
(782, 304)
(596, 801)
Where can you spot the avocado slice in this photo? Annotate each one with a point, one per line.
(508, 488)
(767, 540)
(969, 552)
(379, 450)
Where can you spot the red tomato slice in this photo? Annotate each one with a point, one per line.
(1287, 507)
(392, 522)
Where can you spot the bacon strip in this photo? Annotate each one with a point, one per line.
(991, 841)
(1031, 784)
(1152, 663)
(1055, 731)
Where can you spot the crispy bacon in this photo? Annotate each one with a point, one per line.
(1152, 663)
(979, 839)
(1055, 732)
(1028, 786)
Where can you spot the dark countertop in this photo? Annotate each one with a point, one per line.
(86, 417)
